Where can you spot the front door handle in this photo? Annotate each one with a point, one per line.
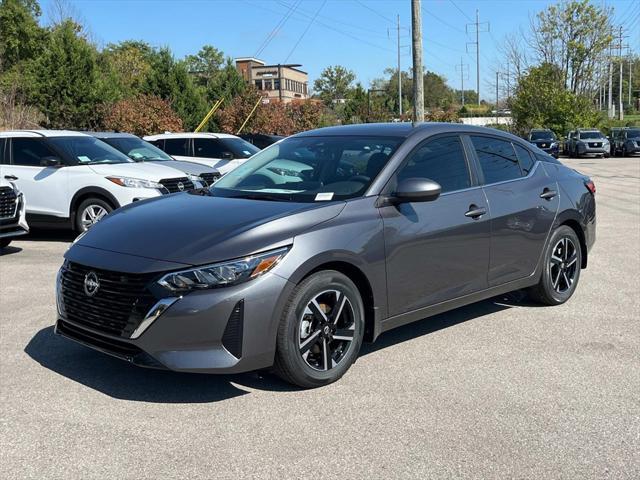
(10, 177)
(548, 194)
(475, 212)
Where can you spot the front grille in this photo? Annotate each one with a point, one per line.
(7, 202)
(118, 306)
(595, 144)
(210, 178)
(173, 184)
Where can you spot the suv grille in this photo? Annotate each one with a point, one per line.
(210, 178)
(7, 202)
(118, 306)
(173, 184)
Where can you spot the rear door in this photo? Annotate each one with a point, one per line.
(45, 188)
(436, 251)
(523, 201)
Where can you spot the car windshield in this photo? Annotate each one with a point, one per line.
(591, 135)
(633, 133)
(239, 147)
(309, 169)
(137, 149)
(543, 135)
(88, 151)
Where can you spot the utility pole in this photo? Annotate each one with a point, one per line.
(629, 54)
(477, 26)
(497, 76)
(610, 98)
(463, 72)
(620, 107)
(418, 82)
(399, 74)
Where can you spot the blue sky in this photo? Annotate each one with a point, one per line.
(358, 34)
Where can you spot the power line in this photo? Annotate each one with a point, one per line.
(374, 11)
(428, 12)
(277, 28)
(461, 11)
(305, 31)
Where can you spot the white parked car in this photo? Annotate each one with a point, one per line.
(72, 179)
(13, 221)
(221, 151)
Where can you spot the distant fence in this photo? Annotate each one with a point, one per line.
(483, 121)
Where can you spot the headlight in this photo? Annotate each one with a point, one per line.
(224, 273)
(554, 144)
(135, 182)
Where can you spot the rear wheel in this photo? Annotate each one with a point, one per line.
(561, 271)
(90, 212)
(321, 330)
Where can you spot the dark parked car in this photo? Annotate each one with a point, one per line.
(626, 142)
(546, 141)
(323, 241)
(261, 140)
(587, 141)
(142, 151)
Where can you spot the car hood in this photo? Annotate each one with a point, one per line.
(199, 229)
(146, 171)
(186, 167)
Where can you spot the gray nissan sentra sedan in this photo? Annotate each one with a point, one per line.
(325, 240)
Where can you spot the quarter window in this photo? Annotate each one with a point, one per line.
(29, 151)
(497, 159)
(177, 146)
(441, 160)
(525, 157)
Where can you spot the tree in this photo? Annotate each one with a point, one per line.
(21, 38)
(437, 94)
(205, 64)
(541, 100)
(227, 83)
(142, 115)
(66, 80)
(333, 84)
(130, 63)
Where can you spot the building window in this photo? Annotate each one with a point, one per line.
(276, 84)
(259, 84)
(268, 85)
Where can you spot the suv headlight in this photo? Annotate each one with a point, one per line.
(135, 182)
(223, 274)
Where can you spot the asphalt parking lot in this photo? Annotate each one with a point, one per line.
(500, 389)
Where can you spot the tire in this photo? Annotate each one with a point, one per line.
(82, 213)
(624, 151)
(561, 271)
(4, 242)
(304, 331)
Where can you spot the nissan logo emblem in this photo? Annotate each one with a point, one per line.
(91, 284)
(181, 186)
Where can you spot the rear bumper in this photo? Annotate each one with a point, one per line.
(226, 330)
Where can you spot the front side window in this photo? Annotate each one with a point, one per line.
(441, 160)
(525, 157)
(239, 147)
(138, 150)
(29, 152)
(310, 169)
(177, 146)
(87, 151)
(497, 159)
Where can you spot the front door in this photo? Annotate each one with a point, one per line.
(439, 250)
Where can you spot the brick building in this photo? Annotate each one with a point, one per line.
(278, 82)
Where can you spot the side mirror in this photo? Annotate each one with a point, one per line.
(51, 162)
(417, 190)
(226, 156)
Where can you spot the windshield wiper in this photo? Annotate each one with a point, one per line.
(263, 196)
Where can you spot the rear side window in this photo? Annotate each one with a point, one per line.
(497, 159)
(177, 146)
(209, 148)
(441, 160)
(525, 157)
(4, 157)
(544, 157)
(29, 151)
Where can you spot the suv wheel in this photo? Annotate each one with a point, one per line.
(321, 330)
(561, 271)
(90, 212)
(4, 242)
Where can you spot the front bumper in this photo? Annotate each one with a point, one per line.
(588, 150)
(15, 225)
(225, 330)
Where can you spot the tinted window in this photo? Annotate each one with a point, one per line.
(497, 159)
(177, 146)
(209, 148)
(590, 135)
(441, 160)
(239, 147)
(3, 158)
(87, 150)
(29, 151)
(525, 157)
(544, 157)
(138, 149)
(543, 135)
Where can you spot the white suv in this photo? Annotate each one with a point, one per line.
(221, 151)
(12, 213)
(72, 179)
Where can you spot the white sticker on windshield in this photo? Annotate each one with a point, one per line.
(82, 158)
(324, 196)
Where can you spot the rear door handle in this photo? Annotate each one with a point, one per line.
(475, 212)
(548, 194)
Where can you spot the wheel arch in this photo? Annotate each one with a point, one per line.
(91, 192)
(571, 219)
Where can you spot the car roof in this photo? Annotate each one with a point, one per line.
(111, 135)
(42, 133)
(189, 135)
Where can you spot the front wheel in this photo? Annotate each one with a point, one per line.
(4, 242)
(321, 330)
(90, 212)
(561, 270)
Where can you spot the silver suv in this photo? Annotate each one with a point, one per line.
(585, 141)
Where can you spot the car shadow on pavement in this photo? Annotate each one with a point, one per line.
(122, 380)
(10, 250)
(47, 235)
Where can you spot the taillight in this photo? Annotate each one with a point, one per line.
(590, 186)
